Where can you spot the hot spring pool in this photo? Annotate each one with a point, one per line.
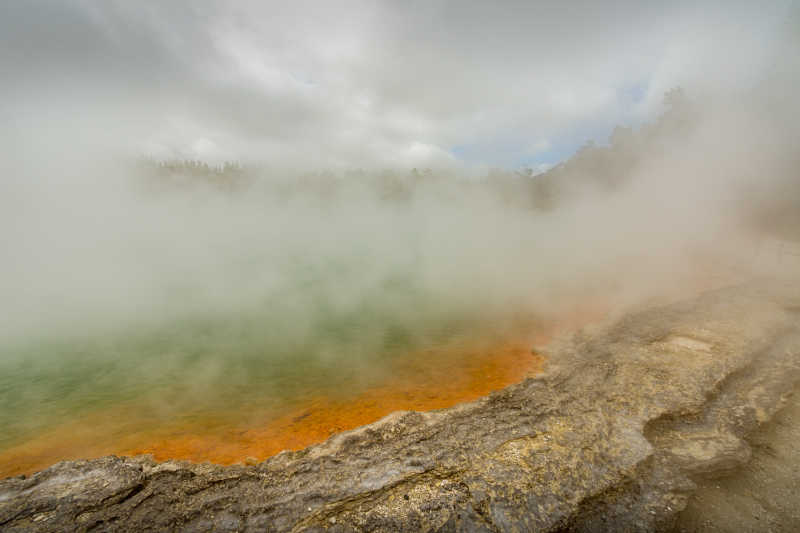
(230, 388)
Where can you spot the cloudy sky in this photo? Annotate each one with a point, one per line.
(364, 83)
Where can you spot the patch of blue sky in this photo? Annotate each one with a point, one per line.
(565, 145)
(515, 152)
(633, 93)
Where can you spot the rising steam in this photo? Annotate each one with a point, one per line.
(125, 270)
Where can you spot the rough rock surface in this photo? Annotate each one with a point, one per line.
(616, 435)
(761, 496)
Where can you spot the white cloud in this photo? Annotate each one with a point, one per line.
(358, 83)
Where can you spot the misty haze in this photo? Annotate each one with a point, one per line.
(233, 229)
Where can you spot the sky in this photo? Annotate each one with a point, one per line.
(355, 84)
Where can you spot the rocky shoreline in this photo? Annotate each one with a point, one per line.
(617, 434)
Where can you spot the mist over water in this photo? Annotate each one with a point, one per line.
(131, 281)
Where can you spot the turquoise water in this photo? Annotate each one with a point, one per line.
(261, 357)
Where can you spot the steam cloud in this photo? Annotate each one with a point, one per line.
(95, 241)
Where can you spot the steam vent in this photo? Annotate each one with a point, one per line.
(638, 427)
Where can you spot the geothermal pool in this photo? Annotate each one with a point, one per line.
(237, 388)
